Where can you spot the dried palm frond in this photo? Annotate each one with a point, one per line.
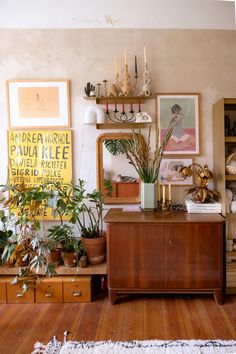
(139, 153)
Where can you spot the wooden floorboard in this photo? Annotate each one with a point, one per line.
(133, 317)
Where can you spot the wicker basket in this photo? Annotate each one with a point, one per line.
(229, 167)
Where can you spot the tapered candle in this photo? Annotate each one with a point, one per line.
(135, 66)
(144, 54)
(163, 193)
(169, 187)
(115, 105)
(125, 57)
(123, 107)
(139, 106)
(131, 105)
(107, 107)
(116, 70)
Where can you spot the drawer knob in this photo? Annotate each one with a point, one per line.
(77, 293)
(49, 294)
(19, 295)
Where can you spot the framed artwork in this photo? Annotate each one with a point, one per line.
(169, 172)
(181, 111)
(38, 103)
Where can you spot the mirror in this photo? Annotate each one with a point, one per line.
(115, 176)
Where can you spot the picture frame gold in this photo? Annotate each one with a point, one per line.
(39, 103)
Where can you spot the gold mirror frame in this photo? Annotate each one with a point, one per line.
(100, 180)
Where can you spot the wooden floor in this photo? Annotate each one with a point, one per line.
(136, 317)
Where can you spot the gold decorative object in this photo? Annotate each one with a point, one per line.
(200, 192)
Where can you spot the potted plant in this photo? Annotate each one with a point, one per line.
(30, 243)
(145, 161)
(70, 246)
(85, 210)
(7, 239)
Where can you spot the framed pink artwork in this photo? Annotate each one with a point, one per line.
(181, 111)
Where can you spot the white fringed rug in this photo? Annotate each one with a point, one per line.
(138, 347)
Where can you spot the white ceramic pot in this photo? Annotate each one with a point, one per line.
(233, 207)
(148, 196)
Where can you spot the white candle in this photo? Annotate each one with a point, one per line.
(125, 57)
(116, 70)
(144, 54)
(169, 192)
(163, 193)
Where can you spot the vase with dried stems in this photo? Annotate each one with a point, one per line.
(147, 163)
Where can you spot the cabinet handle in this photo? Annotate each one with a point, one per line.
(77, 293)
(19, 295)
(49, 294)
(170, 242)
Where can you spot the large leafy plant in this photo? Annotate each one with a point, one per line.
(83, 209)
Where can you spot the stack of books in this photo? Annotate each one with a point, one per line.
(210, 207)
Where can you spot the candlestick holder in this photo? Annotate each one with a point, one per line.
(121, 117)
(136, 91)
(105, 88)
(146, 81)
(164, 205)
(98, 89)
(115, 90)
(127, 87)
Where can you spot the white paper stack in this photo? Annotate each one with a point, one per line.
(210, 207)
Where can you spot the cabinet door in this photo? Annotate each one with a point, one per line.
(135, 256)
(194, 256)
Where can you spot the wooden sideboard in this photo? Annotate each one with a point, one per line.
(154, 252)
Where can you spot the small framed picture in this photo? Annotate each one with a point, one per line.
(38, 103)
(169, 172)
(181, 111)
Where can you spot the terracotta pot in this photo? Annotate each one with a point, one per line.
(20, 262)
(69, 259)
(95, 249)
(54, 257)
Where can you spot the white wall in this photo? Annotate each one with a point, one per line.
(181, 61)
(207, 14)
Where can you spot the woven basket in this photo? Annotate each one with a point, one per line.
(230, 169)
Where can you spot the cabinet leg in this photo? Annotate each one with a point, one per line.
(219, 297)
(112, 296)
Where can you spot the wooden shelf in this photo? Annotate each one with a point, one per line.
(62, 270)
(230, 177)
(230, 216)
(125, 99)
(122, 125)
(230, 139)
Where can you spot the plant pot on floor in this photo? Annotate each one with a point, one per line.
(95, 249)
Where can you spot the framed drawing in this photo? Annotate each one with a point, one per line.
(38, 103)
(182, 112)
(169, 172)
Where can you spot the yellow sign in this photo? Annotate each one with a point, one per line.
(39, 156)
